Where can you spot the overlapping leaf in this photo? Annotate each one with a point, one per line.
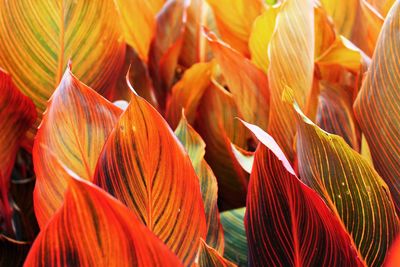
(46, 34)
(94, 229)
(218, 128)
(287, 223)
(74, 129)
(17, 114)
(350, 187)
(235, 19)
(143, 165)
(235, 236)
(250, 88)
(195, 148)
(377, 109)
(291, 63)
(209, 257)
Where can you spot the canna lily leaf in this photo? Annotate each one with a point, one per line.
(250, 88)
(350, 186)
(261, 33)
(324, 31)
(144, 166)
(235, 236)
(138, 20)
(17, 114)
(343, 14)
(113, 235)
(74, 129)
(209, 257)
(217, 126)
(245, 158)
(46, 34)
(276, 195)
(195, 148)
(335, 113)
(376, 107)
(187, 93)
(292, 64)
(235, 19)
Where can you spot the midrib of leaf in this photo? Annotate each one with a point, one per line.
(61, 43)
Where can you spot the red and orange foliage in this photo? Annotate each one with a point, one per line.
(250, 133)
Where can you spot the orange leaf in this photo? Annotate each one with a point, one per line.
(287, 223)
(393, 256)
(74, 129)
(209, 257)
(143, 165)
(291, 64)
(377, 108)
(235, 19)
(250, 88)
(94, 229)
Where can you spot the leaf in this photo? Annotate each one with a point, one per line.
(244, 158)
(250, 89)
(324, 31)
(46, 34)
(209, 257)
(286, 222)
(343, 14)
(17, 113)
(144, 166)
(335, 113)
(139, 28)
(376, 107)
(217, 126)
(74, 129)
(235, 236)
(291, 63)
(235, 19)
(195, 148)
(187, 93)
(260, 36)
(350, 187)
(112, 234)
(166, 46)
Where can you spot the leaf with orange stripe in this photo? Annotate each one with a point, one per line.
(74, 129)
(187, 93)
(138, 20)
(17, 114)
(46, 34)
(218, 127)
(287, 223)
(209, 257)
(195, 148)
(349, 185)
(292, 64)
(249, 89)
(94, 229)
(144, 165)
(376, 107)
(235, 19)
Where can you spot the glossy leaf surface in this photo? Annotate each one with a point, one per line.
(74, 129)
(376, 107)
(143, 165)
(94, 229)
(276, 195)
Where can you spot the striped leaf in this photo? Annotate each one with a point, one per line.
(350, 186)
(292, 64)
(94, 229)
(143, 165)
(376, 107)
(195, 148)
(287, 223)
(74, 129)
(209, 257)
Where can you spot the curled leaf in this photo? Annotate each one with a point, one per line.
(209, 257)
